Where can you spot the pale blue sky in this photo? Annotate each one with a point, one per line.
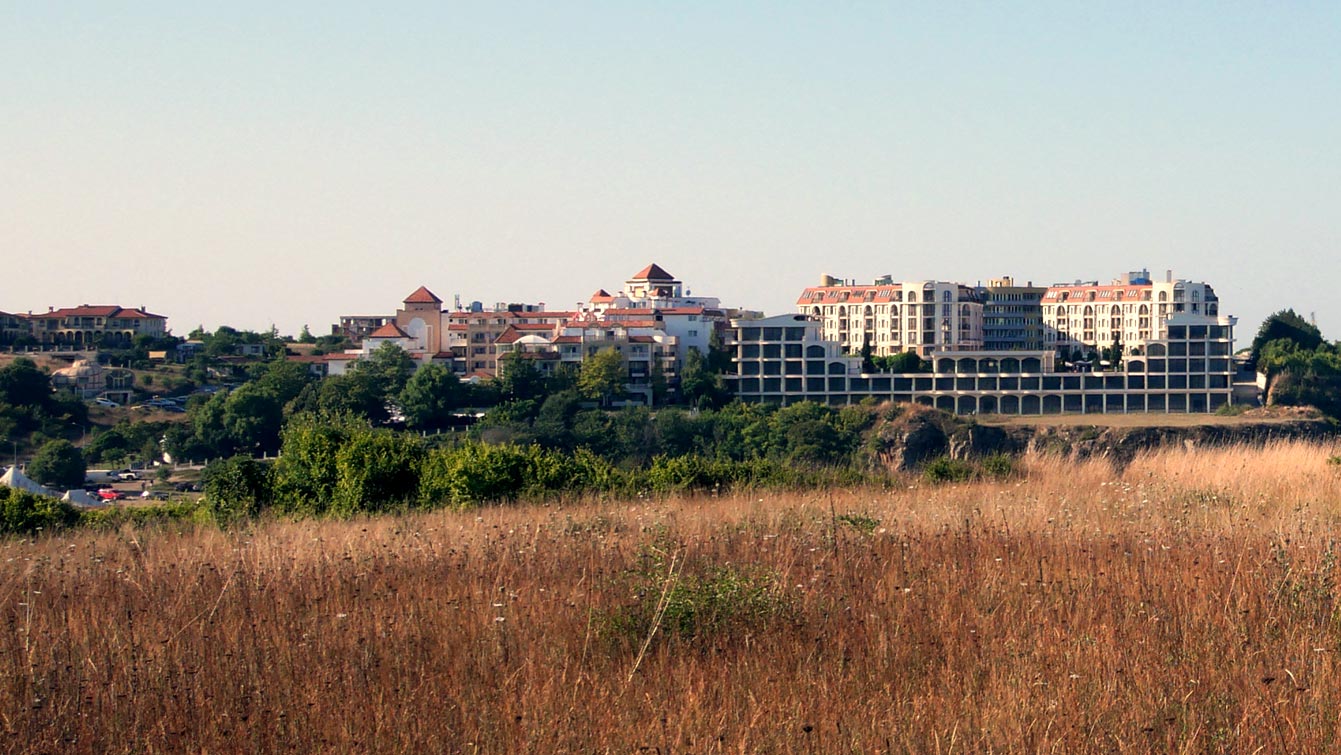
(258, 163)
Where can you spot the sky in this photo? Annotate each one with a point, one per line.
(255, 163)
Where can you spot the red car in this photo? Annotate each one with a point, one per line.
(108, 494)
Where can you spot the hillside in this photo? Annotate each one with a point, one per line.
(917, 435)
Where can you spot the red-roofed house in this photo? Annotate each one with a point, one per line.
(89, 325)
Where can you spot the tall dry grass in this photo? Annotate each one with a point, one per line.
(1187, 604)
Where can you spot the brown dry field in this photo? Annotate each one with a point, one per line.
(1186, 605)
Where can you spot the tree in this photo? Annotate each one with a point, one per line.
(389, 368)
(306, 335)
(58, 464)
(1284, 324)
(902, 362)
(700, 386)
(866, 364)
(22, 384)
(519, 379)
(252, 419)
(430, 397)
(603, 376)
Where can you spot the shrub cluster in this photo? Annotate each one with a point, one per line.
(342, 466)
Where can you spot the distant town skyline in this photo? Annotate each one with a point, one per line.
(252, 164)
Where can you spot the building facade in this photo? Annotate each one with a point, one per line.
(89, 326)
(889, 317)
(787, 358)
(1012, 316)
(1082, 318)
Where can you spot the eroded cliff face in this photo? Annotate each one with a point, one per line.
(911, 436)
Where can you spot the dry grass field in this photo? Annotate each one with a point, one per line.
(1187, 605)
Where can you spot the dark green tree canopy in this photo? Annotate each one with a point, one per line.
(58, 464)
(430, 397)
(1287, 325)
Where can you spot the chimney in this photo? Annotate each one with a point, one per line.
(1168, 276)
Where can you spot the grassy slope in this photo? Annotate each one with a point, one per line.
(1189, 603)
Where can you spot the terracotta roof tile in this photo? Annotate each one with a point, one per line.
(390, 330)
(422, 295)
(653, 272)
(104, 310)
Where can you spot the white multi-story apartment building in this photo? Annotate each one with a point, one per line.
(654, 294)
(1087, 316)
(891, 317)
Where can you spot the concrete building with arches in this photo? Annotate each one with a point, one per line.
(788, 358)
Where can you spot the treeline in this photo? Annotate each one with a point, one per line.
(341, 465)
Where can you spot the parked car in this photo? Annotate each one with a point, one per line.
(107, 402)
(127, 475)
(110, 494)
(187, 487)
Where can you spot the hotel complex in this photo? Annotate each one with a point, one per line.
(1168, 348)
(1132, 345)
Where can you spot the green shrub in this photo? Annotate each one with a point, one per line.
(998, 465)
(177, 511)
(866, 524)
(705, 603)
(945, 469)
(376, 469)
(236, 489)
(306, 474)
(473, 473)
(23, 513)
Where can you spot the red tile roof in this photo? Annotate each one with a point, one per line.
(1077, 293)
(103, 310)
(602, 295)
(390, 330)
(628, 312)
(852, 294)
(568, 339)
(653, 272)
(422, 295)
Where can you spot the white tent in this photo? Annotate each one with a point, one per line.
(81, 498)
(14, 478)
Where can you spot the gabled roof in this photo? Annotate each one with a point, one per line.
(422, 295)
(602, 295)
(508, 336)
(390, 330)
(653, 272)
